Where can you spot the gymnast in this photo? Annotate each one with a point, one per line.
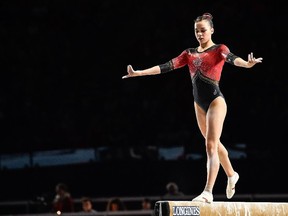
(205, 63)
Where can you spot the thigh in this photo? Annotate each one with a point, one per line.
(215, 118)
(201, 118)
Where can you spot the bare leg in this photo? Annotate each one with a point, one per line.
(214, 124)
(222, 151)
(224, 160)
(211, 125)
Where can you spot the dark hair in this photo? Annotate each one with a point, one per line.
(146, 199)
(86, 199)
(62, 186)
(172, 187)
(116, 201)
(205, 16)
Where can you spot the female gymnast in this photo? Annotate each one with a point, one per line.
(205, 63)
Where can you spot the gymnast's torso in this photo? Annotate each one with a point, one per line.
(205, 70)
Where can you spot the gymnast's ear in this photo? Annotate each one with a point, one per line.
(212, 30)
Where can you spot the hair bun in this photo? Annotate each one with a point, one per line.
(208, 15)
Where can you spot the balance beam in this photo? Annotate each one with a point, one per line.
(189, 208)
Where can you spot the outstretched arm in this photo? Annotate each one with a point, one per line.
(149, 71)
(247, 64)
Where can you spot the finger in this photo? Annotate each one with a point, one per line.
(259, 59)
(130, 69)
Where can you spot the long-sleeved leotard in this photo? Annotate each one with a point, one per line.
(205, 70)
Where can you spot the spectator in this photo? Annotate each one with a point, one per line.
(87, 205)
(146, 204)
(172, 190)
(115, 204)
(63, 201)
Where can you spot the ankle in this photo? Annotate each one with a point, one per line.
(231, 177)
(208, 189)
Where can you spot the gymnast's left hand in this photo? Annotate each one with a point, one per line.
(252, 60)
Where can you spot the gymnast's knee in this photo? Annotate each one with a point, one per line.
(211, 147)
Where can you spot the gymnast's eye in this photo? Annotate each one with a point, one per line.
(202, 30)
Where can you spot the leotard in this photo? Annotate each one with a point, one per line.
(205, 70)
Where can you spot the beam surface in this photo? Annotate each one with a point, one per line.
(189, 208)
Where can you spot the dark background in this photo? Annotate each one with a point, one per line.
(61, 87)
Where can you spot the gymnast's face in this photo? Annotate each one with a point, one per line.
(203, 31)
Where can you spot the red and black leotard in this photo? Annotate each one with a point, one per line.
(205, 70)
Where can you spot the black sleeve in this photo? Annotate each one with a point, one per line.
(230, 58)
(166, 67)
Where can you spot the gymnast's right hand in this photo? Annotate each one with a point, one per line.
(130, 71)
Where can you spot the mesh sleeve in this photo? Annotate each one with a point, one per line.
(166, 67)
(230, 58)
